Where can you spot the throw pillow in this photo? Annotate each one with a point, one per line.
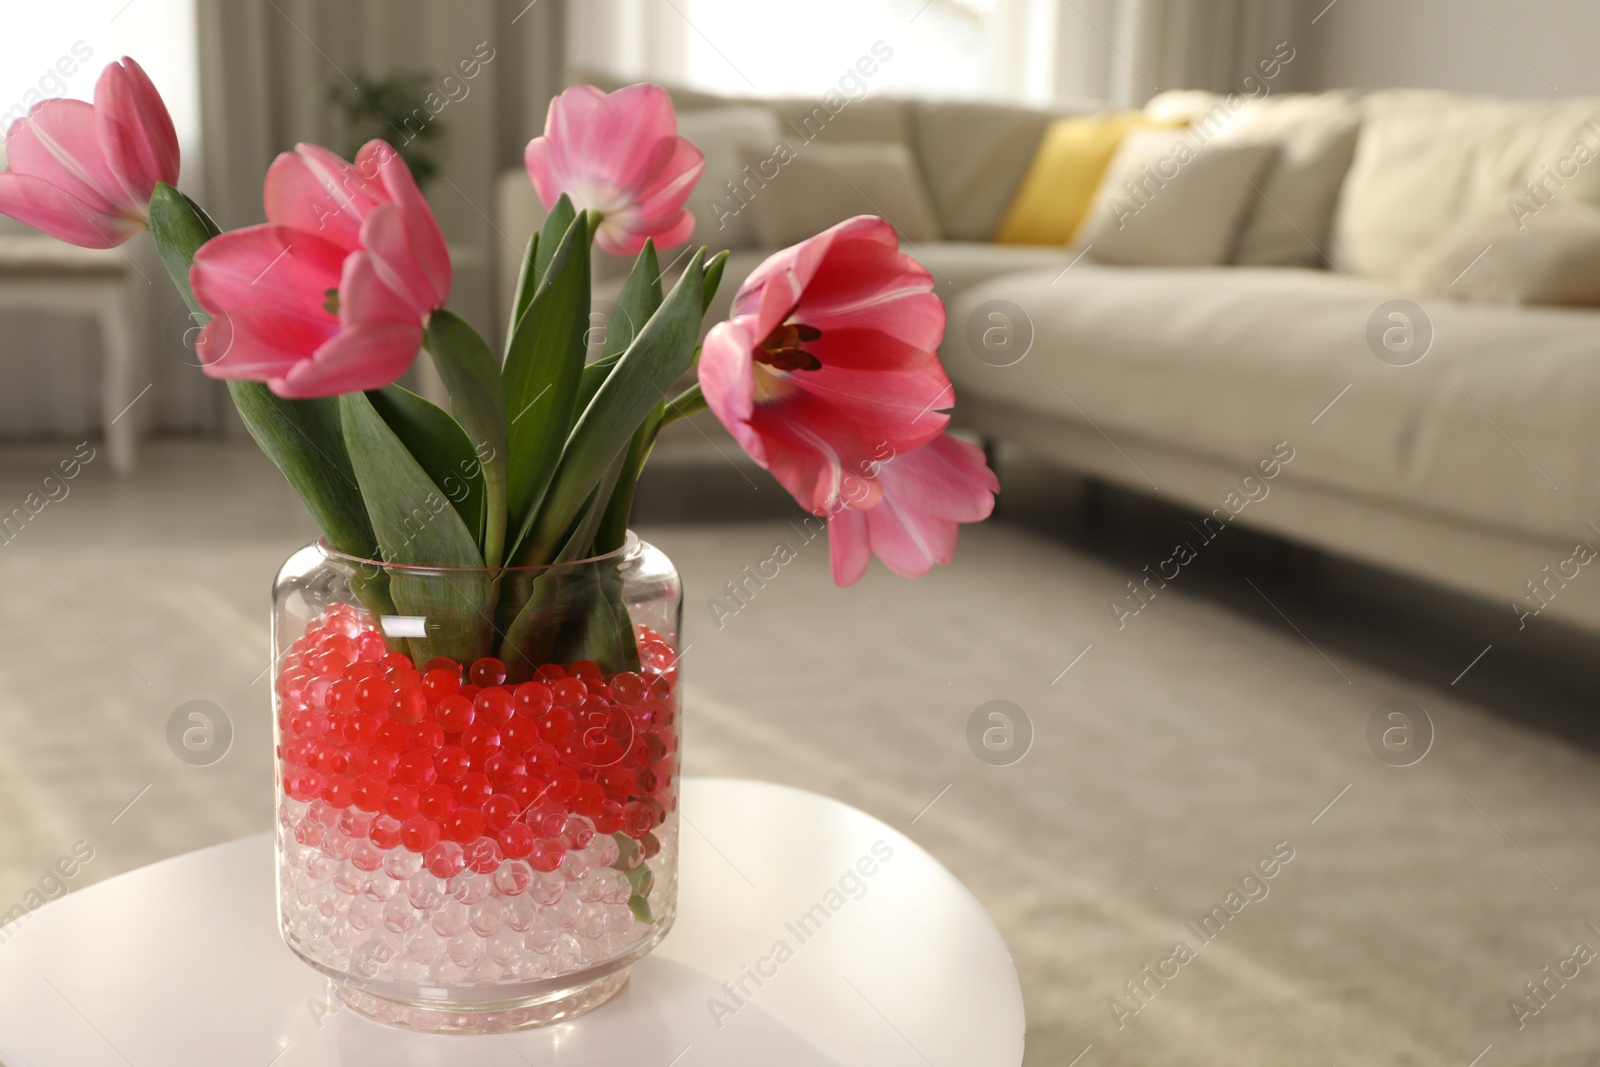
(1165, 201)
(801, 192)
(1059, 187)
(1553, 258)
(725, 135)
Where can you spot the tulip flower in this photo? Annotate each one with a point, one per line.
(84, 172)
(618, 155)
(926, 493)
(828, 375)
(330, 295)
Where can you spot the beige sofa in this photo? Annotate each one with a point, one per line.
(1476, 467)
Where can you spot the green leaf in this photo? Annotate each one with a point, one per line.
(179, 228)
(713, 280)
(613, 528)
(663, 350)
(640, 296)
(556, 225)
(416, 527)
(543, 367)
(477, 395)
(527, 282)
(639, 876)
(439, 445)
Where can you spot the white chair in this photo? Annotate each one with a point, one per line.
(43, 274)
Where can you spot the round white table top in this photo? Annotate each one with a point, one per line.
(180, 963)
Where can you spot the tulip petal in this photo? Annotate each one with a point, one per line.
(368, 356)
(849, 547)
(289, 270)
(364, 295)
(135, 130)
(46, 208)
(249, 346)
(58, 143)
(424, 240)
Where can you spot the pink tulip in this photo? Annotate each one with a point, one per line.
(331, 294)
(828, 363)
(84, 172)
(619, 155)
(926, 493)
(827, 374)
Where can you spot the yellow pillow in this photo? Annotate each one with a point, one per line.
(1057, 190)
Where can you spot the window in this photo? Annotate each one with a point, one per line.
(58, 49)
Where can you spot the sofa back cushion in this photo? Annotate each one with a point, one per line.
(822, 184)
(1058, 190)
(1426, 159)
(973, 158)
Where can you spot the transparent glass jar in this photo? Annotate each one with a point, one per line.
(476, 789)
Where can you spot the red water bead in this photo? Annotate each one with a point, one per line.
(587, 670)
(528, 791)
(470, 691)
(369, 793)
(608, 820)
(408, 706)
(452, 762)
(547, 820)
(382, 763)
(302, 783)
(419, 834)
(363, 728)
(394, 737)
(316, 693)
(395, 661)
(370, 647)
(563, 784)
(499, 812)
(403, 675)
(480, 740)
(385, 832)
(438, 683)
(547, 854)
(656, 655)
(472, 790)
(401, 802)
(415, 768)
(373, 694)
(338, 792)
(342, 696)
(550, 672)
(327, 758)
(427, 737)
(454, 713)
(519, 735)
(307, 723)
(488, 671)
(443, 663)
(494, 706)
(502, 769)
(357, 671)
(569, 693)
(557, 725)
(532, 699)
(587, 798)
(650, 780)
(436, 801)
(464, 825)
(516, 841)
(628, 688)
(618, 781)
(637, 818)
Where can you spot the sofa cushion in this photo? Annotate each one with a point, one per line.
(824, 184)
(1553, 259)
(1058, 191)
(1165, 200)
(724, 135)
(973, 158)
(1225, 363)
(1426, 159)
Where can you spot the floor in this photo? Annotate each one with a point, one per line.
(1223, 734)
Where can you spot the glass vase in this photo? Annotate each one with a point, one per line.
(476, 784)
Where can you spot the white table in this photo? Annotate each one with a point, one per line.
(180, 964)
